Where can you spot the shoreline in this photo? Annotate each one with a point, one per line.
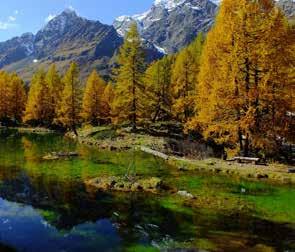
(273, 173)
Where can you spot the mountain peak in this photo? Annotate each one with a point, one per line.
(61, 21)
(69, 11)
(169, 4)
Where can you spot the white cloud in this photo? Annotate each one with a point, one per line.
(11, 18)
(49, 18)
(16, 12)
(6, 25)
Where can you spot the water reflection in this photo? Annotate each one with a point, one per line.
(22, 226)
(44, 206)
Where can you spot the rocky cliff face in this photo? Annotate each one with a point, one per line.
(288, 6)
(166, 27)
(69, 35)
(16, 49)
(171, 24)
(66, 38)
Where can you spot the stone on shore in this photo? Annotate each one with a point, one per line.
(152, 184)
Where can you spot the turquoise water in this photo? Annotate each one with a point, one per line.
(45, 206)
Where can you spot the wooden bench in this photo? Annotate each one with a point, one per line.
(246, 160)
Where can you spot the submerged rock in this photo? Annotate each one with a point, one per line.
(152, 184)
(58, 155)
(50, 157)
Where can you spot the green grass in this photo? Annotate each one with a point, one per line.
(278, 206)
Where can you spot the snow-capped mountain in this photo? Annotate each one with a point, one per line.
(166, 27)
(171, 24)
(67, 37)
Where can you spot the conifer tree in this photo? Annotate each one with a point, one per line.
(92, 108)
(244, 81)
(107, 101)
(184, 79)
(17, 98)
(70, 105)
(4, 96)
(55, 86)
(127, 106)
(38, 104)
(158, 86)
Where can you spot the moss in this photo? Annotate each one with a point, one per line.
(49, 216)
(205, 244)
(141, 248)
(175, 204)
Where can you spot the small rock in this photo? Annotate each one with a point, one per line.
(186, 194)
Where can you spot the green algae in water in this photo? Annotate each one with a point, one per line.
(60, 208)
(141, 248)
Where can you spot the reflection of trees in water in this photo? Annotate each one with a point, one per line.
(139, 216)
(5, 248)
(57, 187)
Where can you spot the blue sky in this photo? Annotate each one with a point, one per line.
(19, 16)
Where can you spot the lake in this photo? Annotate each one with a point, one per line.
(45, 206)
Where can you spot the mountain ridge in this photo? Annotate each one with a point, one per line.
(67, 37)
(166, 27)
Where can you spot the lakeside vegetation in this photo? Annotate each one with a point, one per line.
(226, 208)
(143, 160)
(233, 87)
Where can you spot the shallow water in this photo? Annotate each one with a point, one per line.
(44, 205)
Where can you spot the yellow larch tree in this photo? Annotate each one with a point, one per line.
(4, 94)
(107, 101)
(92, 107)
(128, 106)
(184, 79)
(158, 86)
(55, 86)
(70, 106)
(38, 105)
(244, 81)
(17, 98)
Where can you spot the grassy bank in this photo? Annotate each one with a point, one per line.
(122, 139)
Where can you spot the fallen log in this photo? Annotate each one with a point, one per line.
(153, 152)
(245, 160)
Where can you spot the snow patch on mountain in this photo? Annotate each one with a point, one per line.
(169, 5)
(160, 49)
(154, 14)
